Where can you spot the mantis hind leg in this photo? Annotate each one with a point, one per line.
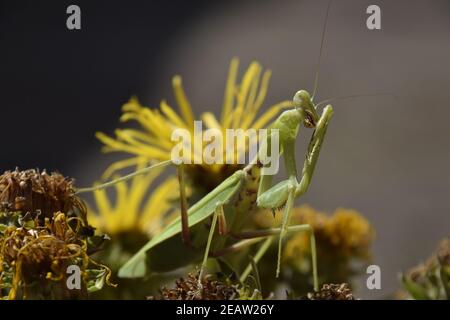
(259, 254)
(251, 237)
(284, 226)
(217, 213)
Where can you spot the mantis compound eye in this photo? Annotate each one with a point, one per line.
(302, 100)
(309, 120)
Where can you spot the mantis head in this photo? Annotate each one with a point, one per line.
(302, 101)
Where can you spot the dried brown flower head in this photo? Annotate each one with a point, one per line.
(41, 253)
(189, 288)
(331, 292)
(431, 280)
(443, 252)
(34, 191)
(36, 256)
(43, 231)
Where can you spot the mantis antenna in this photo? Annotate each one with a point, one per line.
(354, 96)
(316, 80)
(122, 179)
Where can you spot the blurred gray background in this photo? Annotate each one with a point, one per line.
(384, 156)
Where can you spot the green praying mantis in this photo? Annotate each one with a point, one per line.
(237, 197)
(229, 206)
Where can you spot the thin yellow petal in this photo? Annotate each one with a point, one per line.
(210, 121)
(250, 101)
(272, 113)
(139, 118)
(159, 202)
(120, 214)
(141, 150)
(139, 187)
(104, 207)
(251, 114)
(94, 218)
(143, 136)
(129, 136)
(150, 120)
(249, 77)
(172, 115)
(133, 105)
(182, 101)
(263, 90)
(228, 100)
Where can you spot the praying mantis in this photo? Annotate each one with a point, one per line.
(232, 201)
(229, 205)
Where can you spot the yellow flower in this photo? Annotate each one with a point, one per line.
(134, 208)
(152, 141)
(348, 230)
(346, 233)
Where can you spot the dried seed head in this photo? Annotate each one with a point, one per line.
(443, 252)
(331, 292)
(189, 288)
(429, 280)
(35, 192)
(39, 250)
(44, 230)
(36, 258)
(42, 253)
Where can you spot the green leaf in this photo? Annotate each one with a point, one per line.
(414, 289)
(3, 227)
(98, 280)
(136, 266)
(445, 278)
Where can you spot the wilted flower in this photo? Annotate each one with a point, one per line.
(331, 292)
(37, 246)
(190, 288)
(431, 280)
(32, 190)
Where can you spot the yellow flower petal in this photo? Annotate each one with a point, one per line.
(241, 104)
(252, 112)
(172, 116)
(210, 121)
(133, 105)
(140, 150)
(132, 137)
(229, 91)
(182, 101)
(104, 207)
(131, 199)
(271, 113)
(249, 77)
(159, 203)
